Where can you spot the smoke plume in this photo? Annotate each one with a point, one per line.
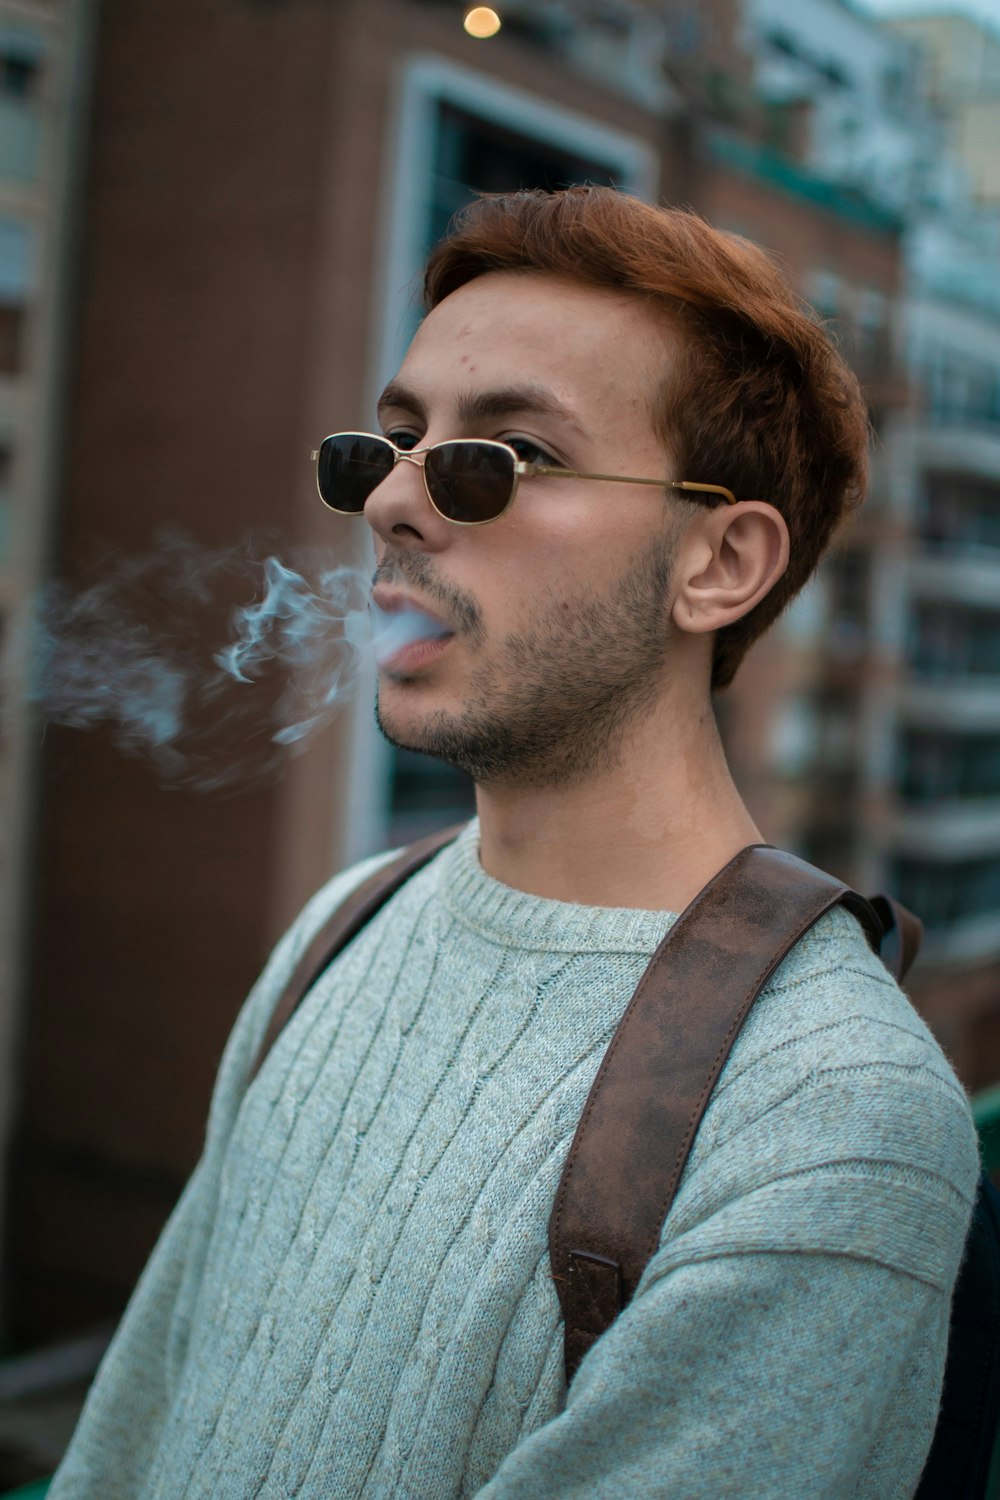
(214, 665)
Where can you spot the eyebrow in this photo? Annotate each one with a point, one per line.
(481, 406)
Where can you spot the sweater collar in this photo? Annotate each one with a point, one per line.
(520, 920)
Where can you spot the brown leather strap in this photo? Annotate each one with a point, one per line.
(902, 934)
(342, 925)
(664, 1060)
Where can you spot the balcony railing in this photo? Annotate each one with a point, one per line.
(20, 140)
(948, 830)
(957, 703)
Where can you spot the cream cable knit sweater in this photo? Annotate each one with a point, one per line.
(353, 1298)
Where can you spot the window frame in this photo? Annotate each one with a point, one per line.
(424, 83)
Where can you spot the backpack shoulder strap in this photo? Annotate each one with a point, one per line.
(664, 1060)
(342, 925)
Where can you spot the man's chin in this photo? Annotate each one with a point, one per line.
(438, 734)
(402, 724)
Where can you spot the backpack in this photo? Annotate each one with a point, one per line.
(650, 1094)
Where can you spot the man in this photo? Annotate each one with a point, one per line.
(353, 1296)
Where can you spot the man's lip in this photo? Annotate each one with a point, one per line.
(393, 601)
(415, 654)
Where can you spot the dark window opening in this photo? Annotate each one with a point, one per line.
(848, 576)
(952, 640)
(11, 338)
(960, 511)
(944, 893)
(19, 75)
(935, 765)
(472, 155)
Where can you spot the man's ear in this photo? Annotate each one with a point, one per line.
(730, 557)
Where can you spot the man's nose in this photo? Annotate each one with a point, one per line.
(399, 512)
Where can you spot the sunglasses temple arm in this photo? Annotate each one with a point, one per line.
(536, 471)
(530, 471)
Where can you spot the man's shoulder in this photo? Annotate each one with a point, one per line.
(837, 1126)
(839, 1105)
(833, 1001)
(321, 906)
(286, 954)
(339, 888)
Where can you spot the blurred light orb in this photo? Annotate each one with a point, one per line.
(482, 21)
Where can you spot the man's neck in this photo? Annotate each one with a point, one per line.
(647, 832)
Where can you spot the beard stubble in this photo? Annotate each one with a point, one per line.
(554, 701)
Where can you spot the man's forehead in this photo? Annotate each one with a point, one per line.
(561, 344)
(520, 298)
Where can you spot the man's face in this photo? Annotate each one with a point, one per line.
(558, 612)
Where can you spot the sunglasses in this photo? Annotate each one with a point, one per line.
(469, 481)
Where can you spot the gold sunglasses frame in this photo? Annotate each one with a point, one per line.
(522, 470)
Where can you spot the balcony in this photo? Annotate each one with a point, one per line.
(967, 577)
(959, 442)
(20, 141)
(953, 630)
(960, 703)
(969, 940)
(948, 830)
(958, 899)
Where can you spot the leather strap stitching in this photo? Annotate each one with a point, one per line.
(725, 1047)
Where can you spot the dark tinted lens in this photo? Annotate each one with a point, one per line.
(350, 465)
(470, 481)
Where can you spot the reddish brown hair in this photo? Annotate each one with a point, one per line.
(763, 403)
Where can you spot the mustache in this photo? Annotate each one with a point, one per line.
(461, 608)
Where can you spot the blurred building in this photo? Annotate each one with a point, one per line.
(832, 121)
(963, 85)
(44, 77)
(879, 754)
(943, 467)
(264, 178)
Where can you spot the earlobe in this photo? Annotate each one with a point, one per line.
(729, 560)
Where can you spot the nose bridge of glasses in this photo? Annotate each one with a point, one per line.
(418, 458)
(411, 456)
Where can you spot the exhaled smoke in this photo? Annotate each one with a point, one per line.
(212, 664)
(393, 631)
(314, 632)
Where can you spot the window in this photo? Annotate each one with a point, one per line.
(960, 511)
(836, 718)
(461, 133)
(935, 765)
(471, 154)
(781, 41)
(871, 331)
(21, 54)
(824, 290)
(19, 76)
(895, 87)
(848, 578)
(951, 640)
(476, 155)
(11, 339)
(6, 471)
(17, 267)
(944, 893)
(961, 390)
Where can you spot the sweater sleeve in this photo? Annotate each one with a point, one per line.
(765, 1375)
(794, 1316)
(116, 1440)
